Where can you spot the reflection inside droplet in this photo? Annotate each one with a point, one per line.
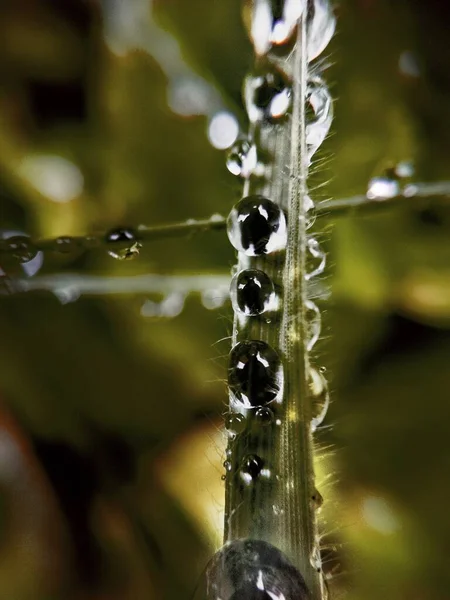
(251, 570)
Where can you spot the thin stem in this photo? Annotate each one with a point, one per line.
(412, 193)
(295, 459)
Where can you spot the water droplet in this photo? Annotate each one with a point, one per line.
(256, 226)
(251, 570)
(29, 260)
(251, 468)
(125, 240)
(316, 559)
(91, 241)
(252, 292)
(267, 97)
(322, 369)
(277, 510)
(310, 212)
(255, 374)
(242, 158)
(321, 26)
(317, 499)
(317, 256)
(264, 416)
(382, 188)
(273, 22)
(227, 465)
(314, 324)
(66, 244)
(320, 397)
(319, 114)
(235, 424)
(20, 248)
(120, 235)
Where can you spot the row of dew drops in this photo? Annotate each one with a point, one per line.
(257, 226)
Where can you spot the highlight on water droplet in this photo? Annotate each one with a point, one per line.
(252, 292)
(242, 158)
(267, 97)
(382, 188)
(66, 244)
(314, 321)
(272, 22)
(126, 246)
(319, 114)
(264, 416)
(321, 25)
(235, 423)
(257, 226)
(251, 468)
(316, 260)
(320, 397)
(255, 374)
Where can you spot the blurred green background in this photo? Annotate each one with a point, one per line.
(110, 416)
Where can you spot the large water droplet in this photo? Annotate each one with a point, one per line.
(317, 500)
(321, 26)
(310, 211)
(251, 468)
(20, 248)
(235, 424)
(251, 570)
(126, 245)
(267, 97)
(264, 416)
(255, 374)
(319, 114)
(320, 397)
(66, 244)
(314, 321)
(242, 158)
(256, 226)
(252, 292)
(273, 22)
(317, 259)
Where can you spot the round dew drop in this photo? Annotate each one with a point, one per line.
(255, 374)
(264, 416)
(66, 244)
(120, 235)
(20, 248)
(267, 97)
(251, 468)
(235, 424)
(257, 226)
(128, 246)
(242, 158)
(252, 292)
(251, 570)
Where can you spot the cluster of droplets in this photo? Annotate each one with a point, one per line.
(257, 228)
(257, 224)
